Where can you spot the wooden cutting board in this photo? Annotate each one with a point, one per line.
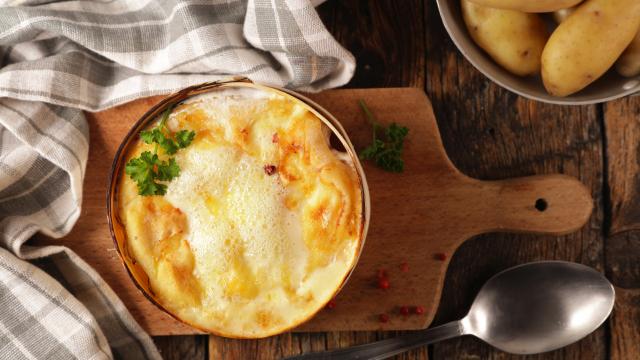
(417, 216)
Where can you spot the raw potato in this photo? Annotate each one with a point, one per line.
(588, 43)
(528, 5)
(561, 15)
(629, 63)
(512, 38)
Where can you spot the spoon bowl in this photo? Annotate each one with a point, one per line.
(527, 309)
(539, 307)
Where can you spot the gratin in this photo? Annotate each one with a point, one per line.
(261, 227)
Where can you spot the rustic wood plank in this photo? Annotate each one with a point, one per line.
(622, 122)
(294, 343)
(622, 265)
(387, 39)
(625, 332)
(193, 347)
(490, 133)
(623, 244)
(385, 36)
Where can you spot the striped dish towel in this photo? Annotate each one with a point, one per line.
(61, 57)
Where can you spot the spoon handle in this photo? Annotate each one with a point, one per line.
(389, 347)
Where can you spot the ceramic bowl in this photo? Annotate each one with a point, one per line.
(610, 86)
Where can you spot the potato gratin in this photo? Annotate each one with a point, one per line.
(262, 225)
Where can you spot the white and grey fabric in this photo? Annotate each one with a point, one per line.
(59, 58)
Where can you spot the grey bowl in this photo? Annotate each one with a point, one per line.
(610, 86)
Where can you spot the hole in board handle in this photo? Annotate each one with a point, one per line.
(541, 205)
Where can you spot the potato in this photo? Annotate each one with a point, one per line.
(561, 15)
(530, 6)
(588, 43)
(629, 62)
(512, 38)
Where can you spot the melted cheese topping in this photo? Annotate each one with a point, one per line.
(231, 248)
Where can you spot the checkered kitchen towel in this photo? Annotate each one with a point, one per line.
(61, 57)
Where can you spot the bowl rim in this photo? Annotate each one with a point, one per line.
(116, 229)
(446, 15)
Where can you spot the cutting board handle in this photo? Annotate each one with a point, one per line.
(544, 204)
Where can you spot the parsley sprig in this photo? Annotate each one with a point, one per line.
(386, 152)
(147, 169)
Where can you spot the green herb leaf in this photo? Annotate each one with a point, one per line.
(141, 170)
(148, 136)
(147, 169)
(385, 153)
(165, 117)
(184, 138)
(169, 146)
(168, 171)
(152, 188)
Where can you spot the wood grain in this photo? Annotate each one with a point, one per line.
(625, 330)
(622, 121)
(386, 37)
(622, 246)
(295, 343)
(182, 347)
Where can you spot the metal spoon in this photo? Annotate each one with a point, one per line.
(527, 309)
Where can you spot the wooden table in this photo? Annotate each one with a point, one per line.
(489, 133)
